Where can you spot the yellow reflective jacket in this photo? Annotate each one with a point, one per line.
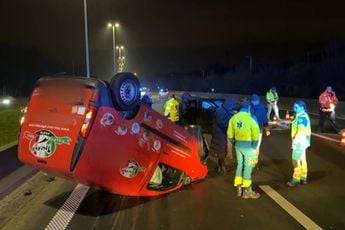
(300, 131)
(272, 97)
(243, 130)
(171, 107)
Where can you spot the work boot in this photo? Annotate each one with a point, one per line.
(291, 184)
(249, 193)
(304, 182)
(221, 166)
(239, 191)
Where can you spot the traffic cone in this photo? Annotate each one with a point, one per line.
(274, 122)
(287, 117)
(342, 140)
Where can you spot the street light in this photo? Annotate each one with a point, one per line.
(114, 26)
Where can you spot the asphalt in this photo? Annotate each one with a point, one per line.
(209, 204)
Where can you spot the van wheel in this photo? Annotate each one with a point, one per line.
(125, 91)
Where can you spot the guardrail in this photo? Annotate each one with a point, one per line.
(284, 103)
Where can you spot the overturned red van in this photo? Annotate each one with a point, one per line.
(99, 134)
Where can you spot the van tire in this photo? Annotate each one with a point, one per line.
(125, 93)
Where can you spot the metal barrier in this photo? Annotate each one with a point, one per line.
(284, 103)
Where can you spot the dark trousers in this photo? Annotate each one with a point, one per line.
(326, 115)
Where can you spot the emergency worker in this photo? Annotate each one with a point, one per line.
(328, 101)
(171, 109)
(219, 142)
(272, 102)
(187, 114)
(243, 131)
(300, 135)
(147, 99)
(259, 111)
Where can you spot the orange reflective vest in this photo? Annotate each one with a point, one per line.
(328, 100)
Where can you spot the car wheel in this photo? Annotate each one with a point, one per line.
(125, 91)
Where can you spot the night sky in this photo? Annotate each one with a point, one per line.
(167, 36)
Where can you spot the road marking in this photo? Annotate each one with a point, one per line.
(66, 212)
(314, 134)
(324, 137)
(289, 208)
(7, 146)
(339, 117)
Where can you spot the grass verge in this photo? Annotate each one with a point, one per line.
(9, 125)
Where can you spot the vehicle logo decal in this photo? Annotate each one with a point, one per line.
(43, 143)
(107, 119)
(121, 130)
(135, 128)
(146, 135)
(131, 169)
(159, 124)
(157, 145)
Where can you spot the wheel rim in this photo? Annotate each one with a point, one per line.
(127, 92)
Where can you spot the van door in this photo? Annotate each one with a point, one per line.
(59, 112)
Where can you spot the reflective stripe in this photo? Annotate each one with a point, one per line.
(246, 183)
(238, 181)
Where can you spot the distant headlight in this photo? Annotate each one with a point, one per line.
(6, 101)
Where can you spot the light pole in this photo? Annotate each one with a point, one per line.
(86, 41)
(114, 26)
(250, 63)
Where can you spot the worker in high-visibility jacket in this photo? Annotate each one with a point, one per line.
(300, 135)
(328, 101)
(243, 132)
(272, 102)
(171, 109)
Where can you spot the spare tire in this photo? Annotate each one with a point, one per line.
(125, 91)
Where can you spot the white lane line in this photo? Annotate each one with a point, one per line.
(314, 134)
(341, 117)
(289, 208)
(324, 137)
(7, 146)
(66, 212)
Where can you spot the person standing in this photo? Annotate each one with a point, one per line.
(187, 114)
(147, 99)
(219, 142)
(243, 132)
(300, 135)
(272, 102)
(328, 101)
(171, 109)
(259, 111)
